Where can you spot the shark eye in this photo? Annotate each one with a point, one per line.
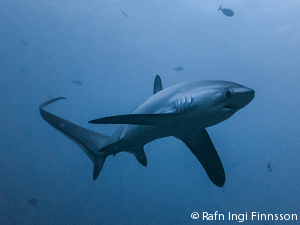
(228, 94)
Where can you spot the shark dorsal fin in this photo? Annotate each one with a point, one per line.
(157, 84)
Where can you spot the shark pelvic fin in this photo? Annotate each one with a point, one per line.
(98, 164)
(202, 147)
(138, 119)
(157, 84)
(141, 156)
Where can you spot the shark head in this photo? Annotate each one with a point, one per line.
(236, 97)
(216, 101)
(197, 104)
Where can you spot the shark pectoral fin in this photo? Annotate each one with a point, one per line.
(157, 84)
(138, 119)
(202, 147)
(141, 156)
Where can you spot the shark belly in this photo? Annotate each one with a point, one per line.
(133, 137)
(130, 137)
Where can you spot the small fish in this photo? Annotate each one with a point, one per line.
(78, 82)
(179, 68)
(32, 201)
(124, 13)
(270, 167)
(25, 43)
(226, 12)
(23, 70)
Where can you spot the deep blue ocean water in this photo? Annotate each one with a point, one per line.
(104, 63)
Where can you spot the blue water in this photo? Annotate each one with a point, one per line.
(45, 45)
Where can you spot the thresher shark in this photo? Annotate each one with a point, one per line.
(182, 111)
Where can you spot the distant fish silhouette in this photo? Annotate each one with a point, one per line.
(25, 43)
(23, 70)
(179, 68)
(78, 82)
(226, 12)
(270, 167)
(32, 201)
(124, 13)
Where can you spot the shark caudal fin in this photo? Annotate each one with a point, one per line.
(90, 142)
(220, 8)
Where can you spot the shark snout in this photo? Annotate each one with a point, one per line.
(245, 96)
(250, 93)
(240, 98)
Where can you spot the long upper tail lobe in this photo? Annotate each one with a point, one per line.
(90, 142)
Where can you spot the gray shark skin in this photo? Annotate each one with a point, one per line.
(182, 111)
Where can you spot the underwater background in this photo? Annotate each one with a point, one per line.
(103, 57)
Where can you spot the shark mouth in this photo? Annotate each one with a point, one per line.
(228, 107)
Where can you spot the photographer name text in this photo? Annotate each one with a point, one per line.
(241, 217)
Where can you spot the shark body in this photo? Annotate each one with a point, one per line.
(182, 111)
